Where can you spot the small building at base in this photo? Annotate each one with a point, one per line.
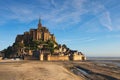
(71, 57)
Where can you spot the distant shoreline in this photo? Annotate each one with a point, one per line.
(103, 58)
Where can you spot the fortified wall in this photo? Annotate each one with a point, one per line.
(62, 58)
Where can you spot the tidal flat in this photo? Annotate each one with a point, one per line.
(60, 70)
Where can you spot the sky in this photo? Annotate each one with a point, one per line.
(89, 26)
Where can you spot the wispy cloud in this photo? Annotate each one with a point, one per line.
(101, 14)
(106, 20)
(80, 40)
(66, 12)
(63, 12)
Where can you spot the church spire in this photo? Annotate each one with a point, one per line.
(39, 23)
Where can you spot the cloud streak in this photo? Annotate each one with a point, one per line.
(106, 20)
(80, 40)
(62, 12)
(101, 14)
(59, 12)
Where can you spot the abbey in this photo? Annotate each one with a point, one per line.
(41, 33)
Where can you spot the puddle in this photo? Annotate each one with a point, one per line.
(102, 64)
(82, 71)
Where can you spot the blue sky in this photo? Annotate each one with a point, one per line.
(89, 26)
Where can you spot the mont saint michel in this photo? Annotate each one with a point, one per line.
(41, 45)
(59, 39)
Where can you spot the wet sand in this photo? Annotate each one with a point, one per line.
(98, 70)
(60, 70)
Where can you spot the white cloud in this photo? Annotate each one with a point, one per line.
(61, 13)
(66, 12)
(106, 20)
(102, 14)
(69, 12)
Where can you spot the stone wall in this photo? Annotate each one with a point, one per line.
(78, 57)
(30, 58)
(58, 58)
(61, 58)
(1, 58)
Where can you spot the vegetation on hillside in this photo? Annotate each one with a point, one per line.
(31, 45)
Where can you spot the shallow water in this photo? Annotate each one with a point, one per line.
(82, 71)
(103, 58)
(103, 61)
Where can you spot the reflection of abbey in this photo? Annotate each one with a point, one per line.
(40, 44)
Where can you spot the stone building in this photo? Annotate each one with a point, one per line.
(1, 55)
(41, 33)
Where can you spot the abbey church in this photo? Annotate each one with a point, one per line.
(41, 33)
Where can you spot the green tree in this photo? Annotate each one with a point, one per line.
(64, 46)
(8, 51)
